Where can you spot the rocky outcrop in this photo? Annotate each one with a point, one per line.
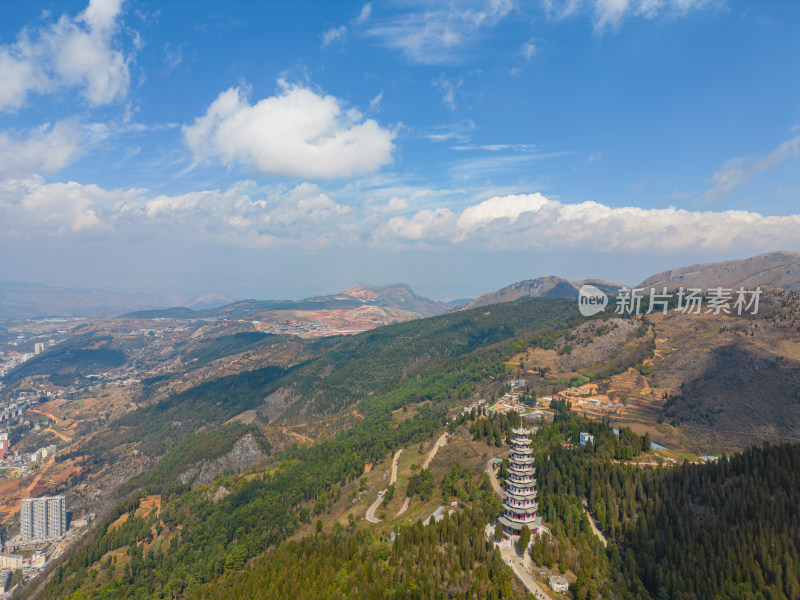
(244, 454)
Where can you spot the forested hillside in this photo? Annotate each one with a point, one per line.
(727, 529)
(724, 530)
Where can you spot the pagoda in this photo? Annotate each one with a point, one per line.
(519, 504)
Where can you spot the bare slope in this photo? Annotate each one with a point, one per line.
(780, 269)
(541, 287)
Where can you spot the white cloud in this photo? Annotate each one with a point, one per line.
(529, 49)
(250, 216)
(333, 34)
(297, 133)
(447, 88)
(243, 215)
(365, 13)
(375, 103)
(436, 35)
(609, 14)
(534, 221)
(35, 208)
(738, 170)
(72, 52)
(46, 148)
(495, 147)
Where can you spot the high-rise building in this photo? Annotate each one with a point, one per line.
(3, 445)
(519, 505)
(26, 519)
(38, 348)
(42, 518)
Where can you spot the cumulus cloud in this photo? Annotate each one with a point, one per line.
(436, 35)
(251, 216)
(297, 133)
(534, 221)
(46, 148)
(242, 215)
(31, 206)
(72, 52)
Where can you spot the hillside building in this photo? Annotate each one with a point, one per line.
(42, 518)
(519, 504)
(585, 438)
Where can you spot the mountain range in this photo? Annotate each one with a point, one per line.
(31, 300)
(397, 296)
(777, 269)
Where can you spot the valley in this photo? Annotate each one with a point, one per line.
(368, 434)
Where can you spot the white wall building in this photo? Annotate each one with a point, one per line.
(42, 518)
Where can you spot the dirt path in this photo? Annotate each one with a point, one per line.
(300, 436)
(46, 414)
(595, 530)
(521, 567)
(439, 443)
(59, 435)
(392, 479)
(372, 508)
(404, 508)
(493, 478)
(395, 460)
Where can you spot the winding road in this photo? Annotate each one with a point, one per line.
(392, 479)
(439, 443)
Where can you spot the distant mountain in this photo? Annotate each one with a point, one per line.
(25, 300)
(397, 296)
(206, 301)
(541, 287)
(779, 269)
(20, 300)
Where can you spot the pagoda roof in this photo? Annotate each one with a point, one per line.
(516, 524)
(525, 496)
(519, 510)
(521, 484)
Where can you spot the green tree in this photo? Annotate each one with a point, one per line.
(524, 539)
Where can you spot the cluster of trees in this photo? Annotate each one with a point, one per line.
(449, 559)
(420, 483)
(206, 539)
(495, 428)
(727, 529)
(458, 483)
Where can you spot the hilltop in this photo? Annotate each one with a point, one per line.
(778, 269)
(541, 287)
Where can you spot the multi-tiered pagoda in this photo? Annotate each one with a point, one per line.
(519, 505)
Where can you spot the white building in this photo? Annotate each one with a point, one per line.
(42, 518)
(559, 583)
(586, 438)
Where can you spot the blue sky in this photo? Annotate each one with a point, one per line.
(279, 149)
